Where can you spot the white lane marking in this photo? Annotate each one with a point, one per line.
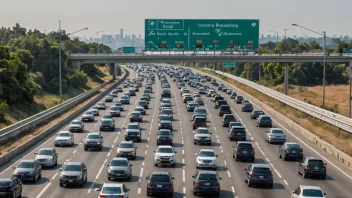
(233, 189)
(271, 165)
(182, 141)
(44, 189)
(277, 172)
(148, 139)
(217, 137)
(145, 152)
(183, 175)
(222, 151)
(101, 169)
(252, 138)
(116, 139)
(218, 141)
(139, 190)
(112, 146)
(220, 147)
(184, 190)
(108, 154)
(54, 176)
(143, 164)
(74, 151)
(146, 145)
(225, 162)
(228, 173)
(267, 159)
(286, 182)
(183, 152)
(183, 160)
(141, 173)
(90, 188)
(261, 150)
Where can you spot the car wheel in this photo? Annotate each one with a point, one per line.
(156, 165)
(252, 159)
(194, 143)
(109, 178)
(171, 194)
(61, 185)
(284, 158)
(35, 179)
(271, 185)
(173, 165)
(249, 184)
(323, 176)
(85, 149)
(194, 193)
(304, 175)
(280, 155)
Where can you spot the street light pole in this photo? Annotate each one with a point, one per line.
(285, 33)
(98, 41)
(324, 63)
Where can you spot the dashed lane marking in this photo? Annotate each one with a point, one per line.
(228, 173)
(286, 182)
(278, 174)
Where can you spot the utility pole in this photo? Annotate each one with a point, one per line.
(285, 33)
(60, 61)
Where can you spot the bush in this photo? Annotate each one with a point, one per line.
(3, 109)
(78, 79)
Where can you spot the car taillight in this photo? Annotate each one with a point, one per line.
(251, 174)
(150, 183)
(121, 196)
(271, 175)
(217, 184)
(237, 151)
(197, 183)
(307, 167)
(286, 151)
(170, 184)
(102, 196)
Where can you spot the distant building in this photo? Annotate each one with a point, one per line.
(121, 33)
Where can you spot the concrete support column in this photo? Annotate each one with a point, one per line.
(112, 70)
(350, 95)
(76, 64)
(260, 68)
(286, 78)
(117, 69)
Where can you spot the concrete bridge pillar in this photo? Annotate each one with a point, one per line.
(115, 70)
(76, 64)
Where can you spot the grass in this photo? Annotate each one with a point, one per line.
(340, 139)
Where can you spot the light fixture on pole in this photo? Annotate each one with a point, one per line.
(60, 47)
(324, 35)
(98, 41)
(277, 35)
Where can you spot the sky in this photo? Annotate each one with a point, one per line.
(332, 16)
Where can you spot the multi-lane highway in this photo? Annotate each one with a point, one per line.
(286, 178)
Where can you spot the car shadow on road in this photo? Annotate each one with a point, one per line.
(145, 121)
(40, 181)
(179, 145)
(139, 158)
(319, 178)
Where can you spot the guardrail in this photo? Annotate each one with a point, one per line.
(27, 124)
(334, 119)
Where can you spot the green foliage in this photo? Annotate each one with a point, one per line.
(78, 78)
(3, 109)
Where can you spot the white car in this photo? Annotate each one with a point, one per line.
(308, 192)
(165, 155)
(64, 138)
(202, 136)
(206, 158)
(113, 190)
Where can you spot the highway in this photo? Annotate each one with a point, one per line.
(286, 178)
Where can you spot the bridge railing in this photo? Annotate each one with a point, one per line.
(332, 118)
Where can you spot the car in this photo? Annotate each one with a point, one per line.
(199, 101)
(132, 91)
(76, 125)
(224, 109)
(133, 132)
(108, 117)
(191, 106)
(124, 99)
(200, 111)
(144, 104)
(312, 166)
(231, 124)
(290, 150)
(237, 133)
(238, 99)
(119, 89)
(260, 174)
(168, 112)
(233, 95)
(247, 107)
(11, 187)
(119, 168)
(227, 118)
(187, 98)
(165, 100)
(125, 85)
(256, 113)
(73, 173)
(165, 106)
(119, 105)
(94, 141)
(113, 190)
(141, 109)
(202, 136)
(87, 116)
(136, 116)
(145, 98)
(264, 120)
(164, 137)
(201, 90)
(206, 182)
(165, 155)
(245, 101)
(210, 92)
(126, 149)
(95, 111)
(303, 191)
(107, 124)
(136, 88)
(199, 121)
(101, 105)
(206, 158)
(229, 91)
(215, 97)
(109, 98)
(160, 183)
(47, 157)
(165, 122)
(28, 170)
(224, 89)
(64, 138)
(219, 103)
(275, 135)
(115, 111)
(165, 93)
(243, 150)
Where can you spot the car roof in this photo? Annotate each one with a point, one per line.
(244, 142)
(93, 133)
(261, 165)
(206, 172)
(28, 160)
(292, 143)
(237, 127)
(112, 185)
(5, 179)
(202, 128)
(126, 142)
(139, 107)
(160, 173)
(73, 163)
(46, 149)
(76, 121)
(165, 146)
(133, 123)
(165, 130)
(264, 116)
(119, 158)
(64, 132)
(208, 150)
(313, 158)
(275, 129)
(136, 112)
(310, 187)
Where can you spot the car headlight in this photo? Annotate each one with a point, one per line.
(157, 157)
(98, 142)
(69, 140)
(127, 171)
(208, 138)
(80, 176)
(172, 157)
(31, 173)
(118, 151)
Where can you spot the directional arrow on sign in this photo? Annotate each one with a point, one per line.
(254, 24)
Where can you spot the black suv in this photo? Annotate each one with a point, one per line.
(243, 151)
(247, 107)
(227, 118)
(290, 150)
(224, 109)
(164, 137)
(256, 113)
(237, 133)
(160, 182)
(136, 116)
(264, 120)
(206, 182)
(73, 173)
(10, 187)
(239, 99)
(259, 174)
(312, 166)
(166, 93)
(165, 122)
(219, 103)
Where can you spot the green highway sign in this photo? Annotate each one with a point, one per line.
(201, 34)
(128, 50)
(229, 64)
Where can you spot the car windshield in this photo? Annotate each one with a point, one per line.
(164, 132)
(247, 105)
(107, 117)
(200, 111)
(142, 102)
(76, 122)
(202, 131)
(126, 145)
(132, 126)
(229, 117)
(165, 105)
(93, 137)
(165, 150)
(124, 97)
(316, 162)
(207, 177)
(101, 103)
(63, 134)
(114, 109)
(193, 104)
(199, 119)
(261, 170)
(45, 152)
(118, 104)
(293, 146)
(165, 118)
(4, 183)
(278, 132)
(239, 97)
(265, 118)
(168, 112)
(106, 122)
(160, 178)
(259, 112)
(206, 154)
(26, 165)
(312, 193)
(139, 109)
(88, 113)
(235, 124)
(238, 130)
(244, 145)
(132, 133)
(111, 190)
(119, 163)
(135, 114)
(225, 107)
(72, 168)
